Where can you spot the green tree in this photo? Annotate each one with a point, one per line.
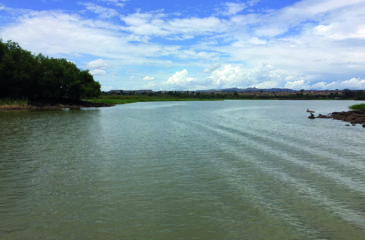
(39, 77)
(16, 70)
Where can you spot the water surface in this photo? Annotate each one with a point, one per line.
(182, 170)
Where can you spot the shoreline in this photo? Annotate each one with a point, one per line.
(352, 117)
(52, 105)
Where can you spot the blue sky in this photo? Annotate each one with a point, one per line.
(189, 44)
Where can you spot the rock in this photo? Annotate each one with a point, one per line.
(347, 125)
(323, 116)
(311, 116)
(352, 117)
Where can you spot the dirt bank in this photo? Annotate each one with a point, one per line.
(352, 117)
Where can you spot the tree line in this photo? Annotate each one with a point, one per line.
(24, 75)
(296, 95)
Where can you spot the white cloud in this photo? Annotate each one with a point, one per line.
(297, 84)
(304, 54)
(72, 35)
(118, 3)
(278, 22)
(227, 76)
(338, 31)
(212, 67)
(145, 24)
(194, 25)
(97, 67)
(97, 64)
(232, 8)
(98, 72)
(353, 83)
(180, 80)
(322, 29)
(265, 76)
(252, 2)
(158, 24)
(148, 78)
(256, 41)
(356, 83)
(65, 34)
(249, 41)
(101, 11)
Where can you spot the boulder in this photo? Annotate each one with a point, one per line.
(311, 116)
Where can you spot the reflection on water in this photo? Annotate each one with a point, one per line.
(182, 170)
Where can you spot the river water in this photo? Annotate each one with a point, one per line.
(182, 170)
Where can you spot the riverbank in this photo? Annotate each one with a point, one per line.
(214, 95)
(353, 117)
(8, 105)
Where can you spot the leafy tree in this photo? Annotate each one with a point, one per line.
(16, 70)
(39, 77)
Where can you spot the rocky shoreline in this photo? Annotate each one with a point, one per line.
(54, 105)
(352, 117)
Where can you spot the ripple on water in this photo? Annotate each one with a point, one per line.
(192, 170)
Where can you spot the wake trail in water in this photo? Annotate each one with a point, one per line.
(300, 186)
(291, 152)
(303, 141)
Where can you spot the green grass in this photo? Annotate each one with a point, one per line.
(358, 107)
(7, 102)
(161, 97)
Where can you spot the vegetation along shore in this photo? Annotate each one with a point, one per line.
(35, 81)
(355, 116)
(128, 96)
(50, 104)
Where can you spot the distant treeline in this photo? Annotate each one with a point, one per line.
(298, 95)
(24, 75)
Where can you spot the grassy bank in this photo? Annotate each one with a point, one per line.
(7, 103)
(358, 107)
(160, 97)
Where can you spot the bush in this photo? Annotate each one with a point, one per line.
(358, 106)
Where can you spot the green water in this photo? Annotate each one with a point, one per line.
(182, 170)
